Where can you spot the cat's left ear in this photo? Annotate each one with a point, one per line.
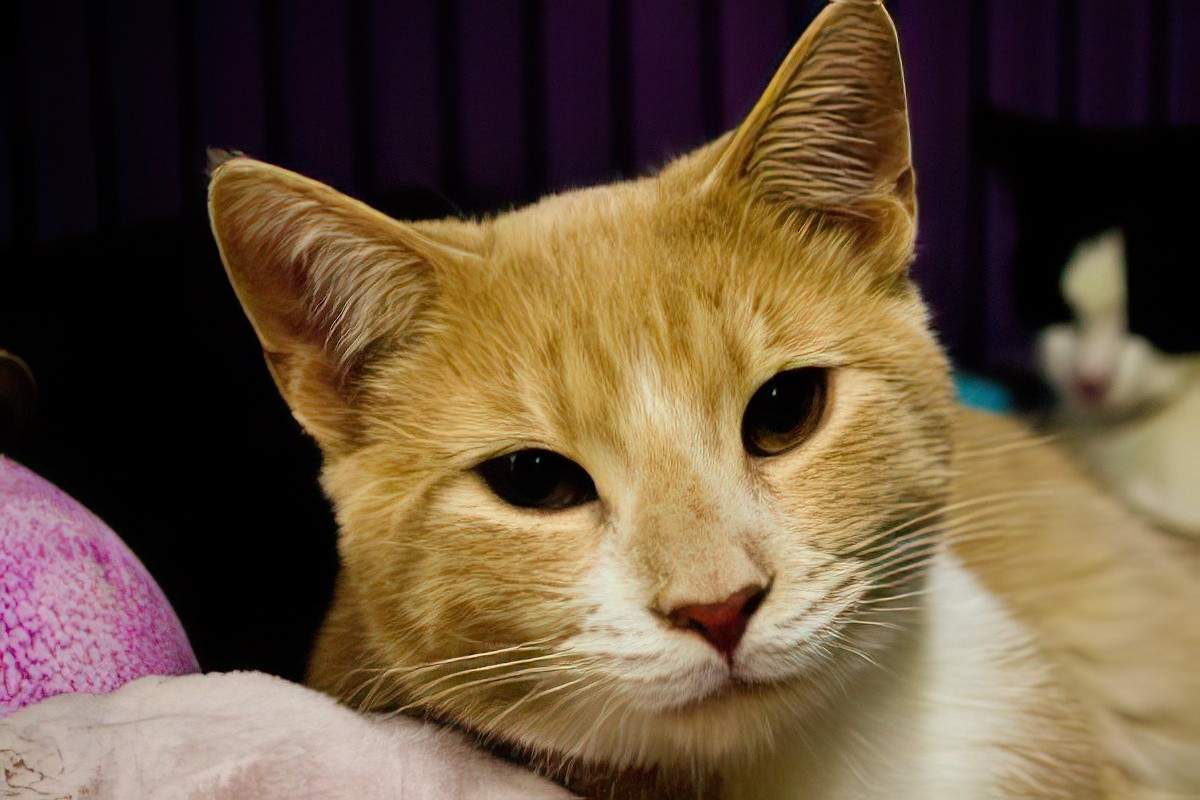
(830, 134)
(328, 283)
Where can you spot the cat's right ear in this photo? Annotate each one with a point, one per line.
(830, 134)
(327, 282)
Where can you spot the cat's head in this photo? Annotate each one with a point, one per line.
(1098, 368)
(630, 473)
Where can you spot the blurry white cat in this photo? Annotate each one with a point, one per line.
(1131, 412)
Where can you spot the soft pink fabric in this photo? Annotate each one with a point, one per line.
(78, 611)
(242, 736)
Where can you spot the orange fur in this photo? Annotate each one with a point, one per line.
(625, 327)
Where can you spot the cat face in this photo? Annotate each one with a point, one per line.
(1096, 366)
(631, 473)
(1103, 372)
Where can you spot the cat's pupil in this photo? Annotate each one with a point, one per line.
(784, 411)
(776, 416)
(536, 478)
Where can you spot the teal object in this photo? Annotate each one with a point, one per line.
(983, 393)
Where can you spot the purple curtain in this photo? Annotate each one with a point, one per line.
(491, 102)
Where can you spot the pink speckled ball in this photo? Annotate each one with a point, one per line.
(78, 611)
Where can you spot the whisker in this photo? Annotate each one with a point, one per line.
(490, 680)
(894, 597)
(491, 667)
(411, 670)
(890, 625)
(533, 696)
(940, 511)
(839, 642)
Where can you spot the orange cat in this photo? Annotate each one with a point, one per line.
(660, 485)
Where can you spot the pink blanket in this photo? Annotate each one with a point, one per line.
(78, 611)
(236, 736)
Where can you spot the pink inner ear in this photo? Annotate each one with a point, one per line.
(78, 611)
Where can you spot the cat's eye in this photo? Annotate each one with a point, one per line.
(537, 478)
(785, 411)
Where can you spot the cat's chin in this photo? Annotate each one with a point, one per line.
(733, 692)
(724, 726)
(720, 690)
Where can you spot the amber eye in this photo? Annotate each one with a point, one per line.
(785, 411)
(538, 479)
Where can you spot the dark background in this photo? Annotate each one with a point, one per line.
(1035, 122)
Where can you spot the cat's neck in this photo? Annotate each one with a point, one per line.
(957, 707)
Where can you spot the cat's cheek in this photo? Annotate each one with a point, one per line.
(846, 481)
(514, 567)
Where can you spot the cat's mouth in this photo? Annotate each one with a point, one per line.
(733, 689)
(758, 673)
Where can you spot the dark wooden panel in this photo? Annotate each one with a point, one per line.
(578, 94)
(667, 104)
(145, 79)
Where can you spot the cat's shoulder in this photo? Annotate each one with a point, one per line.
(1106, 595)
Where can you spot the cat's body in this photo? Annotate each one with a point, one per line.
(1149, 457)
(660, 486)
(1107, 599)
(1130, 412)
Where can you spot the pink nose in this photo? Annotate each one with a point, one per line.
(1091, 389)
(721, 624)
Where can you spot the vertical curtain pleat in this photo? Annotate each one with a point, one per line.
(753, 39)
(109, 103)
(402, 40)
(144, 73)
(668, 110)
(1114, 62)
(12, 104)
(490, 95)
(1022, 60)
(578, 71)
(63, 144)
(935, 38)
(316, 118)
(1022, 56)
(1184, 70)
(229, 76)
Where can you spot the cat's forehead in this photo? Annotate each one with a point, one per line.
(621, 267)
(626, 250)
(647, 273)
(620, 224)
(625, 309)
